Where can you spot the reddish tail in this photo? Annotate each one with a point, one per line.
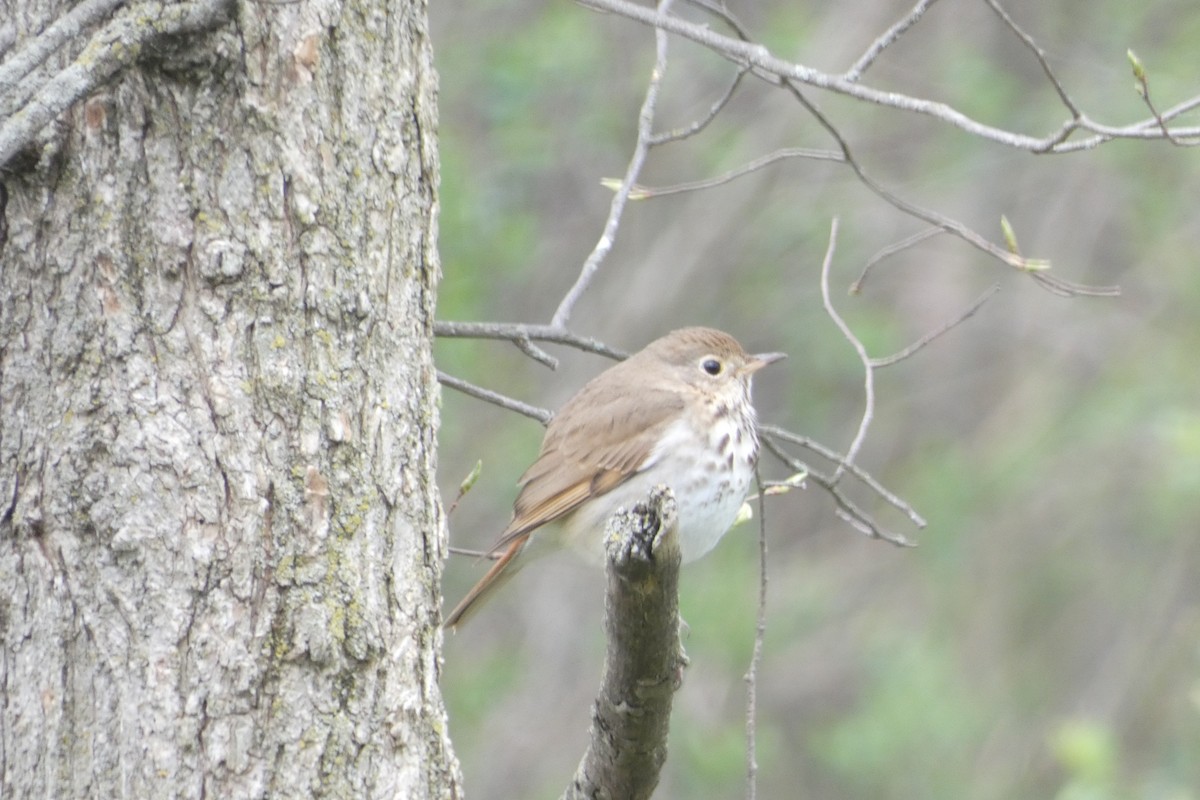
(500, 572)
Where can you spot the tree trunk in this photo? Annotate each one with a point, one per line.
(220, 540)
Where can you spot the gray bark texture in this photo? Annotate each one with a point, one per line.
(644, 662)
(220, 537)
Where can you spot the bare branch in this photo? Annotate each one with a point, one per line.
(465, 486)
(536, 353)
(846, 508)
(698, 125)
(1146, 129)
(1143, 89)
(491, 555)
(885, 40)
(114, 48)
(891, 250)
(495, 398)
(896, 358)
(759, 57)
(1175, 111)
(1040, 55)
(745, 169)
(67, 28)
(772, 432)
(722, 12)
(868, 369)
(764, 63)
(644, 141)
(1033, 267)
(760, 633)
(514, 331)
(859, 519)
(783, 74)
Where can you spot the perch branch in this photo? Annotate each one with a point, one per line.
(644, 661)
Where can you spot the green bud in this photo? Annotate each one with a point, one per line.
(1010, 236)
(472, 476)
(1139, 71)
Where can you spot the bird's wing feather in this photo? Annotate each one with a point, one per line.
(587, 455)
(504, 568)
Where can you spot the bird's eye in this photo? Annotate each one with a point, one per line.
(711, 366)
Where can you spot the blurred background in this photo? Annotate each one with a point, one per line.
(1043, 641)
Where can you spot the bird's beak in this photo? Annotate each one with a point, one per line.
(761, 360)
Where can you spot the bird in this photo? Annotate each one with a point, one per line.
(679, 413)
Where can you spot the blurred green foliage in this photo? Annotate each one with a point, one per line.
(909, 685)
(1043, 641)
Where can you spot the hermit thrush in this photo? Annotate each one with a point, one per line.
(677, 413)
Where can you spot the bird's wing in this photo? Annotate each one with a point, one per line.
(586, 455)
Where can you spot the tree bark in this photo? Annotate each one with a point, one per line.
(220, 538)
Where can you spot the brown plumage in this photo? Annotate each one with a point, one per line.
(681, 403)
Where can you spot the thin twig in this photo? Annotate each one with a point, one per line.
(1145, 129)
(868, 369)
(617, 207)
(765, 64)
(772, 432)
(491, 555)
(895, 358)
(846, 508)
(513, 331)
(1033, 267)
(885, 40)
(1171, 137)
(458, 384)
(1143, 89)
(722, 12)
(536, 353)
(760, 633)
(1040, 55)
(889, 251)
(698, 125)
(733, 174)
(1174, 111)
(465, 487)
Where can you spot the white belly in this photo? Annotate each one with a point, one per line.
(710, 485)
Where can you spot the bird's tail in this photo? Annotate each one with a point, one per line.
(497, 576)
